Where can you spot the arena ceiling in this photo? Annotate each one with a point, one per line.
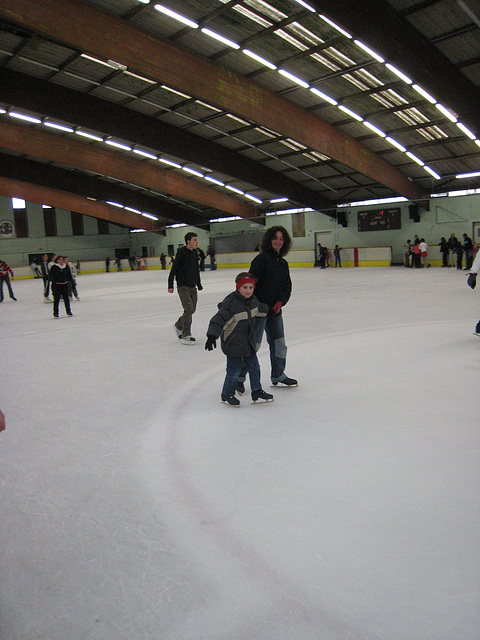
(193, 110)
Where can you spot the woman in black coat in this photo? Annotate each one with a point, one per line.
(60, 275)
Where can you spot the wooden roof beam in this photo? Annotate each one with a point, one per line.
(51, 147)
(95, 188)
(12, 188)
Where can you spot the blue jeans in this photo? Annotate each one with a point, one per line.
(273, 327)
(235, 366)
(6, 279)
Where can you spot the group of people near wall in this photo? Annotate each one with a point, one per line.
(453, 250)
(242, 316)
(323, 256)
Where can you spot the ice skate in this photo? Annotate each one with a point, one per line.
(288, 382)
(260, 394)
(178, 333)
(231, 400)
(187, 340)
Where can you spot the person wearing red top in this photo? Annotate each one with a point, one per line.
(5, 273)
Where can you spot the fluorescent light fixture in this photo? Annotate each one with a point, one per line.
(432, 173)
(234, 189)
(293, 78)
(361, 203)
(477, 142)
(18, 203)
(335, 26)
(133, 210)
(285, 211)
(144, 1)
(148, 215)
(115, 204)
(395, 144)
(170, 163)
(446, 112)
(142, 78)
(372, 53)
(237, 119)
(22, 116)
(220, 38)
(375, 129)
(176, 16)
(176, 226)
(208, 106)
(323, 96)
(276, 200)
(266, 63)
(118, 145)
(3, 111)
(60, 127)
(307, 6)
(193, 172)
(250, 197)
(118, 66)
(474, 174)
(145, 154)
(398, 73)
(415, 159)
(137, 230)
(92, 59)
(220, 184)
(350, 113)
(463, 128)
(423, 93)
(178, 93)
(90, 136)
(226, 219)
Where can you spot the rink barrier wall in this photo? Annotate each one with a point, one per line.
(350, 257)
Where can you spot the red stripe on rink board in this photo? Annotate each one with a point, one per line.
(355, 257)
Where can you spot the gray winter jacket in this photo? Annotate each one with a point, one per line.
(234, 323)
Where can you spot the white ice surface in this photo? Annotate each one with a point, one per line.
(135, 506)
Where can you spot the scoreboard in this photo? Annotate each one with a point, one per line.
(380, 219)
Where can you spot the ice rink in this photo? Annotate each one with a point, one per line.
(136, 506)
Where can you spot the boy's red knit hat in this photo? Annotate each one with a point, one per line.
(244, 278)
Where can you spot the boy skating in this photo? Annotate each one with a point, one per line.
(234, 323)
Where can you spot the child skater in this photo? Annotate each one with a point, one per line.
(234, 323)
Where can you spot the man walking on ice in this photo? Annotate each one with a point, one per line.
(187, 274)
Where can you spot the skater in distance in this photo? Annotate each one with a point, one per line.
(186, 272)
(235, 323)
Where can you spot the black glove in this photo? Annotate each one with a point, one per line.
(199, 287)
(211, 343)
(472, 280)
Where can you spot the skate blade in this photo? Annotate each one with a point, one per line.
(261, 401)
(280, 385)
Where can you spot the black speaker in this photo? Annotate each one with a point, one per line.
(342, 218)
(414, 214)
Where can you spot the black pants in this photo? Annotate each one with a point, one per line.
(60, 291)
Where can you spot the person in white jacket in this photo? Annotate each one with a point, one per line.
(472, 282)
(424, 253)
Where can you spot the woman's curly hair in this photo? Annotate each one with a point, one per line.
(270, 234)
